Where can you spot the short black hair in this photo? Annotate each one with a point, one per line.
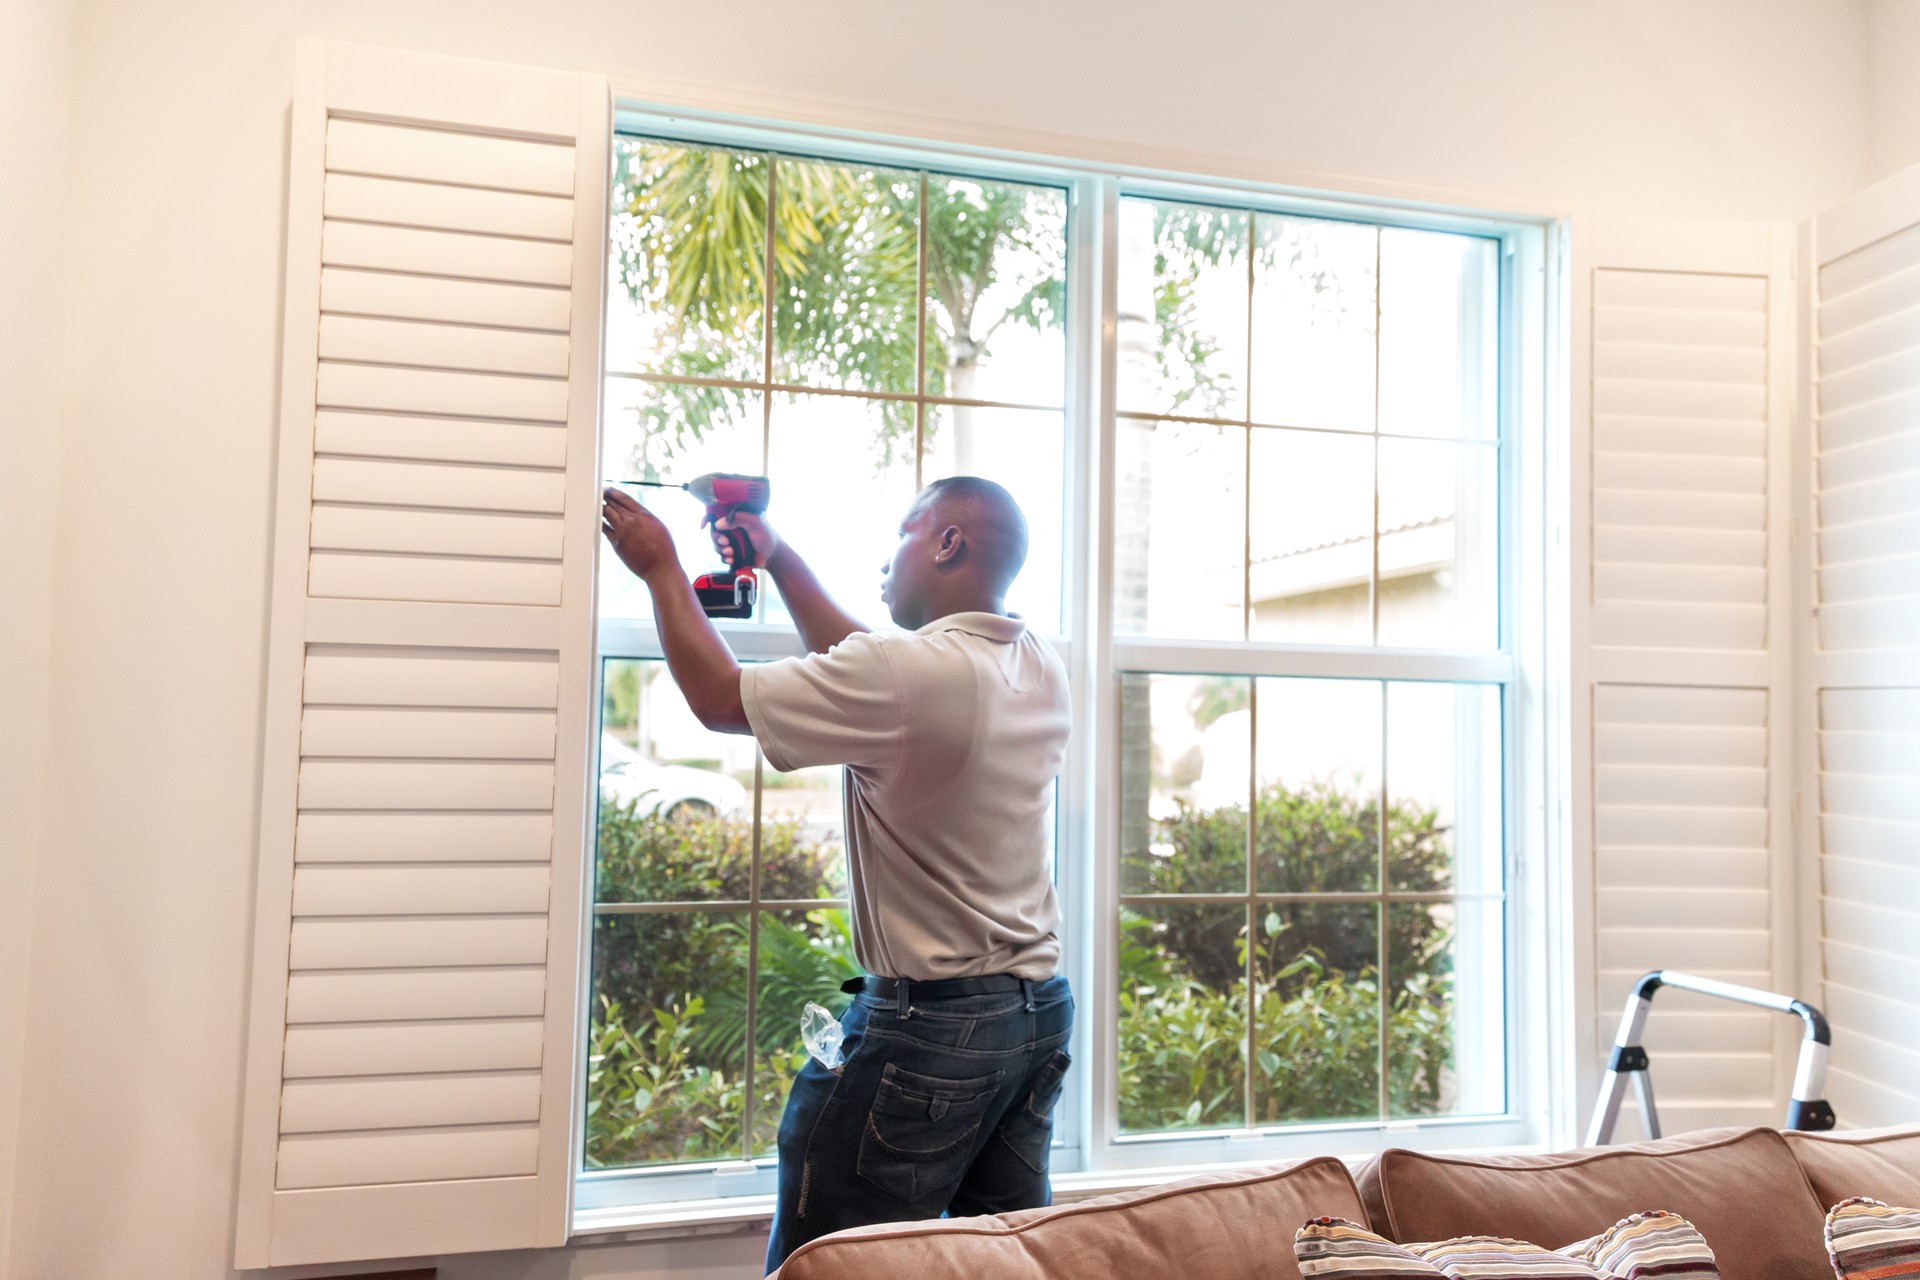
(993, 520)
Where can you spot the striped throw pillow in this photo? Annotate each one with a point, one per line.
(1641, 1247)
(1340, 1250)
(1868, 1240)
(1648, 1245)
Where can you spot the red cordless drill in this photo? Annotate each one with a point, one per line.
(731, 592)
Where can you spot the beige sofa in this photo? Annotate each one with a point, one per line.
(1757, 1195)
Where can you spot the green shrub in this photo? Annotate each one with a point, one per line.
(666, 1079)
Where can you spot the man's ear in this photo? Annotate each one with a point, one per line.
(952, 540)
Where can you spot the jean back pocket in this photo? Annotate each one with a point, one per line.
(920, 1134)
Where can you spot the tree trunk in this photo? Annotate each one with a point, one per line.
(962, 383)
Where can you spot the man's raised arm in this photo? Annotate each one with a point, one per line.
(823, 623)
(700, 661)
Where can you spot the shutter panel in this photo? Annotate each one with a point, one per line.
(415, 1028)
(1686, 680)
(1865, 642)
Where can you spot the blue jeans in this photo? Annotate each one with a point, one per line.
(942, 1106)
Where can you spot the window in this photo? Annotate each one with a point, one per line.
(1311, 900)
(1279, 557)
(914, 328)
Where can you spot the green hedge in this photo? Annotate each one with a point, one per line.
(666, 1079)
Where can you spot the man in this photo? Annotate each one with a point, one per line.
(952, 735)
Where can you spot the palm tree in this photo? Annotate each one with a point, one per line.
(845, 256)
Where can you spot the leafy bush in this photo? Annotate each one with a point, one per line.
(666, 1079)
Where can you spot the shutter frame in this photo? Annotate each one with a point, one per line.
(1857, 582)
(1701, 645)
(521, 1192)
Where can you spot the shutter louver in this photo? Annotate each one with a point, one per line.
(1866, 642)
(416, 1008)
(1685, 676)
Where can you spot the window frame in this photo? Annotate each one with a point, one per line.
(1530, 667)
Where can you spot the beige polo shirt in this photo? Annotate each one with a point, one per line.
(952, 736)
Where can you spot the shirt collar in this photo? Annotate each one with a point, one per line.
(1005, 628)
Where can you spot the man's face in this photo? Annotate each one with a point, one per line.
(908, 572)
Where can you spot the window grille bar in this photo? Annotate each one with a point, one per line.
(805, 389)
(728, 904)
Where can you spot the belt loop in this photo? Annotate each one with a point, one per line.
(1026, 989)
(903, 998)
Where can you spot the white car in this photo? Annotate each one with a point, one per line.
(627, 777)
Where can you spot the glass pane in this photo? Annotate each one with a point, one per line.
(1182, 335)
(803, 843)
(1022, 450)
(1446, 1036)
(1313, 323)
(1443, 788)
(1439, 545)
(1183, 1018)
(1317, 1025)
(689, 250)
(666, 1053)
(804, 956)
(1318, 826)
(842, 472)
(1179, 530)
(1184, 774)
(676, 799)
(847, 272)
(1312, 537)
(996, 291)
(673, 433)
(1439, 334)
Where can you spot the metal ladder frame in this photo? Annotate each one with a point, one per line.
(1806, 1110)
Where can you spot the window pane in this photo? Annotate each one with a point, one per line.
(676, 799)
(996, 291)
(689, 248)
(1439, 545)
(1183, 1018)
(803, 843)
(1439, 334)
(1022, 450)
(1312, 537)
(1182, 336)
(842, 472)
(1443, 786)
(1319, 771)
(1313, 323)
(1446, 1045)
(665, 1052)
(847, 273)
(1317, 1033)
(1184, 774)
(1179, 530)
(804, 956)
(673, 433)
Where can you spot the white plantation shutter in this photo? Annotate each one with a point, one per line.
(415, 1033)
(1683, 670)
(1864, 664)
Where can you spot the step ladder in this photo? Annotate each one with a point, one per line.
(1806, 1110)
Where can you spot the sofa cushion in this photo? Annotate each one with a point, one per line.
(1224, 1226)
(1882, 1163)
(1740, 1187)
(1868, 1240)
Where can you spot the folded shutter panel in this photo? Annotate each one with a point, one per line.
(1865, 642)
(414, 1032)
(1682, 668)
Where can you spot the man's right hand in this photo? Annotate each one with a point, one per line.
(765, 541)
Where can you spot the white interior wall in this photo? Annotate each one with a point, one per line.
(36, 40)
(1750, 109)
(1893, 91)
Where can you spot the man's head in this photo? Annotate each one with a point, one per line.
(961, 545)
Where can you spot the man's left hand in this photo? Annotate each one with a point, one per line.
(636, 534)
